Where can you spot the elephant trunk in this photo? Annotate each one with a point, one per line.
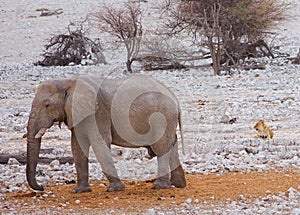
(33, 149)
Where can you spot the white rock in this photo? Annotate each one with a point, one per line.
(45, 195)
(54, 163)
(57, 168)
(150, 211)
(138, 161)
(77, 201)
(13, 161)
(291, 193)
(188, 201)
(281, 194)
(243, 153)
(296, 211)
(19, 127)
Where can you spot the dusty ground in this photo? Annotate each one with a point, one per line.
(138, 197)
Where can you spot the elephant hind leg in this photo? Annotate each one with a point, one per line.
(163, 150)
(178, 177)
(177, 173)
(162, 181)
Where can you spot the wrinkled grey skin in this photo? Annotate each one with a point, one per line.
(86, 108)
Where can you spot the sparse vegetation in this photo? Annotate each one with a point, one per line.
(231, 29)
(123, 23)
(72, 48)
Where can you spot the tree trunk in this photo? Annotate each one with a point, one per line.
(128, 65)
(22, 159)
(215, 59)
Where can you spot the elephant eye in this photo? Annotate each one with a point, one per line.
(47, 105)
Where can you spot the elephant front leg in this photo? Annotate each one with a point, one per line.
(80, 150)
(115, 184)
(104, 157)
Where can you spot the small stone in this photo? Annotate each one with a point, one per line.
(243, 153)
(281, 194)
(268, 192)
(196, 201)
(188, 201)
(13, 161)
(54, 163)
(77, 201)
(242, 197)
(150, 212)
(296, 211)
(161, 198)
(56, 168)
(19, 127)
(1, 196)
(138, 161)
(291, 193)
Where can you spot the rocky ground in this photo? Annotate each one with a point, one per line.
(229, 171)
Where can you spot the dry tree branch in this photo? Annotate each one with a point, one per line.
(72, 48)
(124, 24)
(224, 25)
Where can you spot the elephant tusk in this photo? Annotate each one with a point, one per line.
(40, 133)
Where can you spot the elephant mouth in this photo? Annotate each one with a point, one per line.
(43, 130)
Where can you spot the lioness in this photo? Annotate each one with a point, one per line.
(263, 131)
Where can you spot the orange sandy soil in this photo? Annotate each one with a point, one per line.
(139, 196)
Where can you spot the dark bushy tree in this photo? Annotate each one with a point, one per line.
(229, 28)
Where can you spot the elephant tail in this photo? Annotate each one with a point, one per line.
(180, 129)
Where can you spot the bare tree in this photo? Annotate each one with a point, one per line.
(125, 24)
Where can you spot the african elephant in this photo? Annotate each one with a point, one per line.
(136, 111)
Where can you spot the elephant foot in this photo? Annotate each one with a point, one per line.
(116, 186)
(178, 177)
(161, 183)
(81, 189)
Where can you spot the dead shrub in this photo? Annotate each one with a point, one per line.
(72, 48)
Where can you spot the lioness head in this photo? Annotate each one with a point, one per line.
(260, 125)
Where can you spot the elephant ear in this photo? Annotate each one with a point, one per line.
(81, 102)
